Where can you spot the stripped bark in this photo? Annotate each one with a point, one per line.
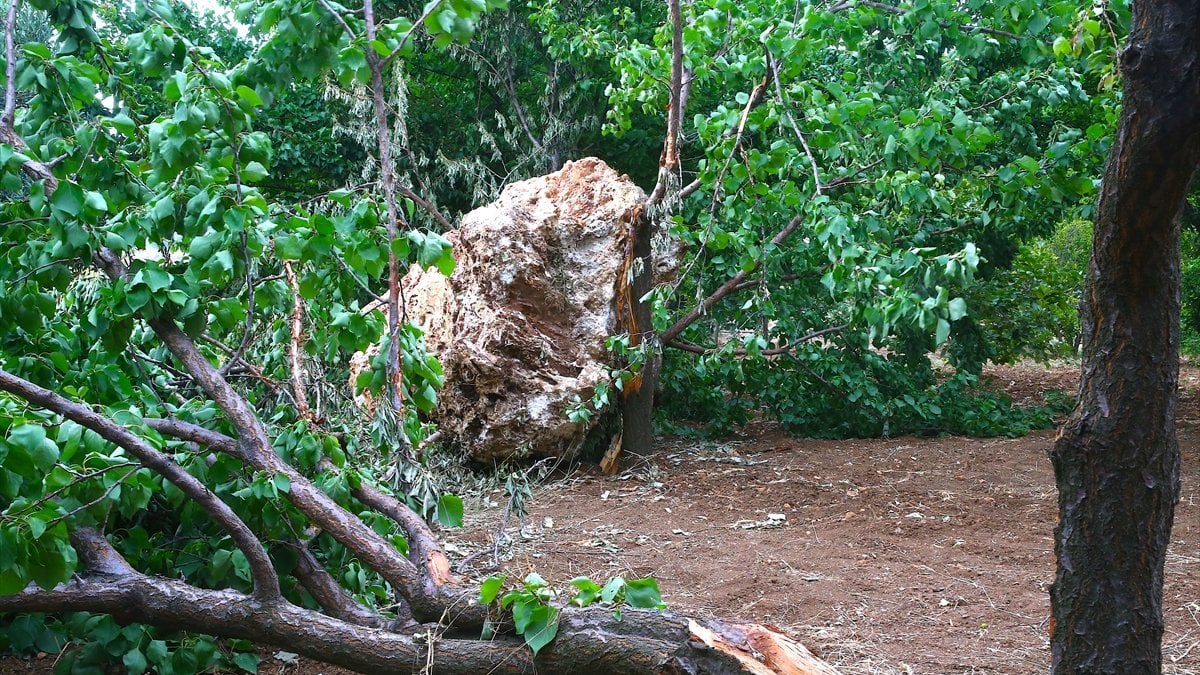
(296, 345)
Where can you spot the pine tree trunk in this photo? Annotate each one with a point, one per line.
(1116, 461)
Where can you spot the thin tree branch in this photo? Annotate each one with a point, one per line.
(258, 451)
(684, 345)
(345, 26)
(726, 288)
(388, 179)
(773, 66)
(8, 117)
(266, 583)
(8, 134)
(296, 345)
(186, 431)
(425, 204)
(328, 592)
(669, 160)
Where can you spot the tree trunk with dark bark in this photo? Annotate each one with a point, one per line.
(637, 402)
(1116, 460)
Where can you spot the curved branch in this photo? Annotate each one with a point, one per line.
(257, 450)
(266, 583)
(427, 205)
(727, 287)
(327, 592)
(425, 582)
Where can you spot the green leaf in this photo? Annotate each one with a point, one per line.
(156, 651)
(122, 123)
(490, 588)
(1029, 164)
(589, 591)
(135, 661)
(282, 483)
(450, 511)
(96, 201)
(53, 564)
(68, 199)
(957, 308)
(943, 331)
(247, 661)
(253, 172)
(289, 247)
(13, 580)
(612, 589)
(32, 439)
(249, 95)
(523, 608)
(541, 628)
(643, 593)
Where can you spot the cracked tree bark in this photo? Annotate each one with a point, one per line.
(1116, 460)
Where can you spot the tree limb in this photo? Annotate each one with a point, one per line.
(296, 345)
(684, 345)
(327, 592)
(266, 583)
(8, 117)
(726, 288)
(589, 641)
(669, 160)
(425, 204)
(258, 451)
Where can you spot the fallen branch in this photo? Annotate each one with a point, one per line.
(266, 582)
(588, 641)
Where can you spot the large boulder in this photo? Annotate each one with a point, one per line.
(520, 327)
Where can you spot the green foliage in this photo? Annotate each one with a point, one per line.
(1189, 324)
(533, 605)
(1031, 310)
(912, 153)
(175, 148)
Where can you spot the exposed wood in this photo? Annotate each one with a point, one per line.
(296, 345)
(589, 641)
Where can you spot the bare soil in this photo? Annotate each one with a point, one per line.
(901, 555)
(892, 556)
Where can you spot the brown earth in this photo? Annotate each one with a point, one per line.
(896, 556)
(902, 555)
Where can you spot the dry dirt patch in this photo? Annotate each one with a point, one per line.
(902, 555)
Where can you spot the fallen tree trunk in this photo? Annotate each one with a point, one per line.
(589, 640)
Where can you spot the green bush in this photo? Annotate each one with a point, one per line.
(1031, 310)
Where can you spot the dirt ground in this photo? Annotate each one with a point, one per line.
(905, 556)
(902, 555)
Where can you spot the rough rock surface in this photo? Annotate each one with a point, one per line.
(520, 326)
